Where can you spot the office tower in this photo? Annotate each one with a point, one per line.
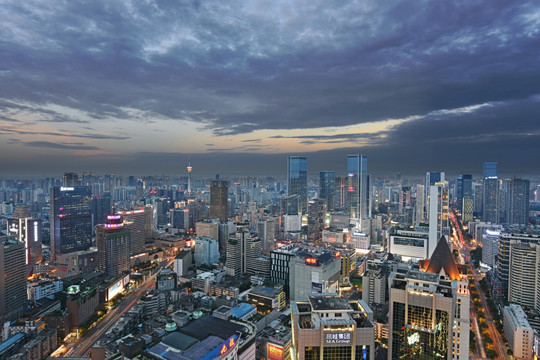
(429, 310)
(13, 298)
(162, 212)
(71, 179)
(419, 211)
(478, 197)
(518, 204)
(189, 169)
(506, 239)
(206, 251)
(316, 214)
(291, 205)
(315, 273)
(329, 327)
(297, 180)
(242, 250)
(27, 231)
(340, 201)
(524, 276)
(490, 246)
(464, 197)
(140, 224)
(280, 259)
(101, 207)
(327, 188)
(268, 229)
(438, 215)
(219, 195)
(410, 244)
(490, 202)
(113, 243)
(358, 189)
(71, 219)
(432, 177)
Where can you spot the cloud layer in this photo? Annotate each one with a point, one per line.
(269, 77)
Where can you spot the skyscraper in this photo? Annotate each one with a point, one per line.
(432, 177)
(140, 224)
(113, 243)
(438, 215)
(429, 310)
(464, 197)
(71, 219)
(327, 188)
(12, 279)
(297, 179)
(27, 231)
(490, 203)
(219, 196)
(358, 187)
(518, 204)
(242, 250)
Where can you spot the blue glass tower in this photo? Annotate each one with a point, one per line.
(358, 187)
(71, 219)
(297, 179)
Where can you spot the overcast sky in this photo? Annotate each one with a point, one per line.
(136, 86)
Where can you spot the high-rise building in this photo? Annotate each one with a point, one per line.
(13, 297)
(162, 212)
(432, 177)
(140, 223)
(521, 336)
(242, 251)
(297, 179)
(101, 207)
(113, 243)
(280, 259)
(327, 188)
(26, 230)
(524, 277)
(314, 273)
(490, 202)
(71, 179)
(358, 187)
(420, 193)
(71, 219)
(429, 310)
(506, 239)
(340, 201)
(219, 195)
(326, 326)
(316, 213)
(464, 197)
(206, 251)
(438, 215)
(267, 229)
(518, 204)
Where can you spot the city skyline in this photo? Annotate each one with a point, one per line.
(135, 88)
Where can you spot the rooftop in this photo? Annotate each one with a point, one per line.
(179, 341)
(209, 325)
(329, 303)
(268, 292)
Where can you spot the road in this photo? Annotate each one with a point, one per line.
(83, 345)
(464, 250)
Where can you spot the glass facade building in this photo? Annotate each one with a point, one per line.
(327, 188)
(358, 188)
(71, 219)
(297, 179)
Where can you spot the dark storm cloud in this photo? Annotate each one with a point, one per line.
(51, 145)
(7, 130)
(237, 67)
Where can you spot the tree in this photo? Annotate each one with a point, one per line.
(492, 354)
